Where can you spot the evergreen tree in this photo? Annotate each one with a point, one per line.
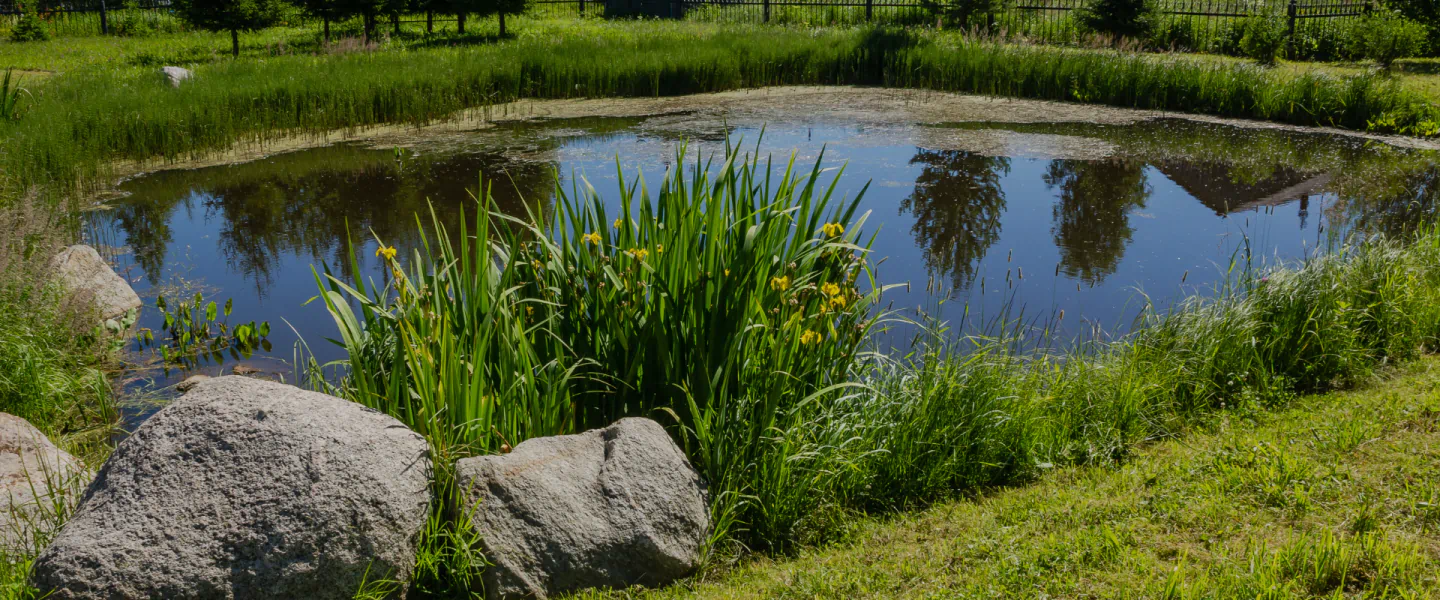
(233, 16)
(1120, 18)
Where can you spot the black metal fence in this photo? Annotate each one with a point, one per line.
(1189, 24)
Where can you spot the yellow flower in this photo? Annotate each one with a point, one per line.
(727, 272)
(617, 222)
(638, 253)
(833, 229)
(385, 252)
(592, 238)
(838, 302)
(659, 248)
(780, 284)
(810, 337)
(830, 289)
(529, 310)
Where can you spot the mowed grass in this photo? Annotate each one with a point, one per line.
(1337, 495)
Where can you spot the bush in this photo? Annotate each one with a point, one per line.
(964, 13)
(30, 29)
(1385, 37)
(1179, 34)
(1320, 39)
(1132, 19)
(1264, 39)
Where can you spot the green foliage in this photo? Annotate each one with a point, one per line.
(1385, 37)
(964, 14)
(10, 96)
(198, 330)
(1264, 39)
(29, 29)
(233, 16)
(1121, 19)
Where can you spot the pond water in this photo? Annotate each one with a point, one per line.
(1036, 218)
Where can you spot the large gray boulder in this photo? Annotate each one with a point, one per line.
(612, 507)
(37, 480)
(81, 270)
(245, 488)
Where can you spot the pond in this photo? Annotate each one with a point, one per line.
(1016, 219)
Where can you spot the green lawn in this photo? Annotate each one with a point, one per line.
(1336, 496)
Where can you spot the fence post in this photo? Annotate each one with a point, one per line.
(582, 8)
(869, 10)
(766, 6)
(1290, 12)
(104, 23)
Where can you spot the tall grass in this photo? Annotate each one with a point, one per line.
(82, 121)
(696, 306)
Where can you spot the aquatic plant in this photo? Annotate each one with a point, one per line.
(199, 330)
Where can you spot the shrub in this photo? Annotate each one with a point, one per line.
(1132, 19)
(964, 13)
(1321, 40)
(30, 29)
(1385, 37)
(1264, 39)
(1178, 34)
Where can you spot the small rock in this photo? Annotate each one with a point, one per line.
(244, 370)
(190, 382)
(175, 75)
(33, 470)
(81, 270)
(246, 488)
(612, 507)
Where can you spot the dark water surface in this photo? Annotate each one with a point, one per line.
(1038, 218)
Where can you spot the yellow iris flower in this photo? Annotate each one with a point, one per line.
(810, 337)
(833, 229)
(780, 284)
(385, 252)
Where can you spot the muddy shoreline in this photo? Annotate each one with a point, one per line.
(705, 113)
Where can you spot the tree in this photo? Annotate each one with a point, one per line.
(964, 13)
(485, 8)
(325, 10)
(1120, 18)
(371, 10)
(233, 16)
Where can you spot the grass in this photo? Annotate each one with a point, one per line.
(1333, 495)
(81, 121)
(723, 306)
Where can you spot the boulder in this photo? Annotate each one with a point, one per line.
(244, 488)
(175, 75)
(611, 507)
(81, 270)
(35, 477)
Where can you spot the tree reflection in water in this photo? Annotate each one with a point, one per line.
(309, 203)
(1092, 219)
(958, 202)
